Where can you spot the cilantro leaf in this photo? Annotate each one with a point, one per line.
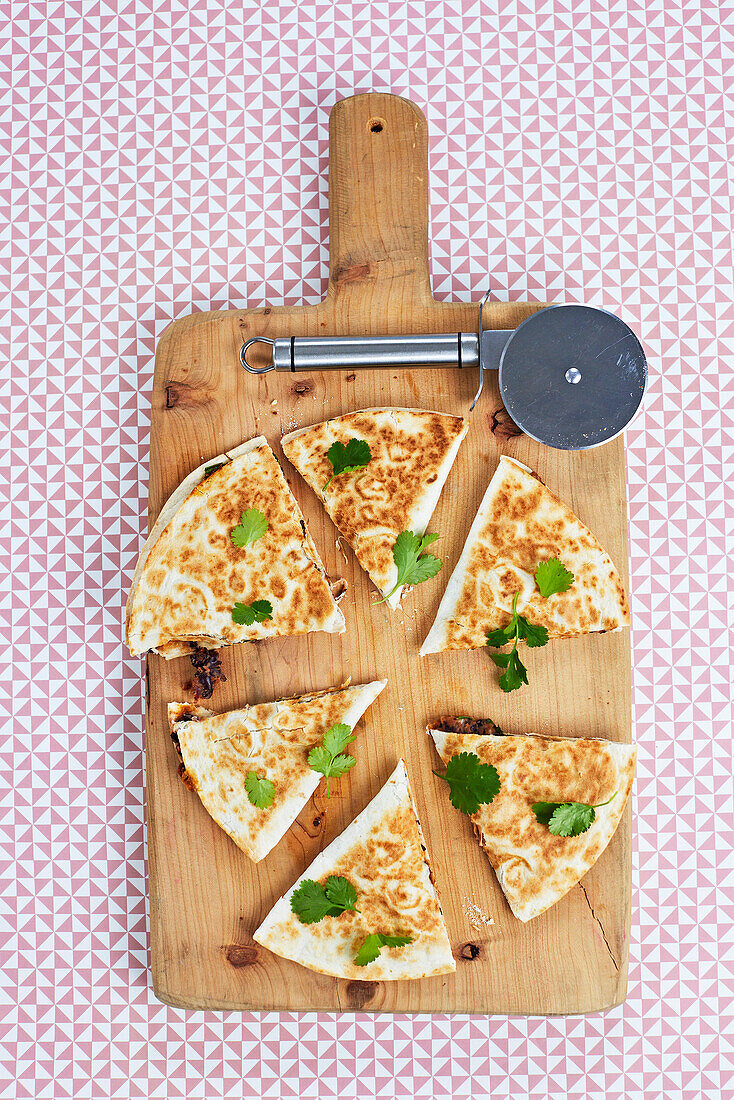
(340, 765)
(341, 892)
(413, 565)
(337, 738)
(374, 943)
(515, 674)
(531, 633)
(245, 614)
(501, 636)
(567, 818)
(347, 459)
(328, 758)
(369, 950)
(311, 902)
(260, 792)
(552, 576)
(319, 759)
(471, 783)
(544, 811)
(571, 819)
(252, 526)
(209, 470)
(394, 941)
(425, 567)
(428, 539)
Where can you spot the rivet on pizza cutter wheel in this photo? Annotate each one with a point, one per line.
(570, 376)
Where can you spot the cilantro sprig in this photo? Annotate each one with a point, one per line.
(260, 791)
(471, 783)
(552, 576)
(311, 902)
(245, 614)
(518, 628)
(374, 943)
(252, 526)
(413, 565)
(347, 458)
(328, 757)
(567, 818)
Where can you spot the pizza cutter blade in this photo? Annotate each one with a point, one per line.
(570, 376)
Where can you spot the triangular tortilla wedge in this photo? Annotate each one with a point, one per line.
(520, 523)
(190, 574)
(271, 739)
(535, 868)
(412, 453)
(383, 854)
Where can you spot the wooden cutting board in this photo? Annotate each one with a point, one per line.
(206, 896)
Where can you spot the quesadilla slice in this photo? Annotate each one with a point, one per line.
(521, 524)
(228, 560)
(366, 908)
(379, 473)
(559, 803)
(250, 767)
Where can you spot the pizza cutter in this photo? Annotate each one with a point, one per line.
(570, 376)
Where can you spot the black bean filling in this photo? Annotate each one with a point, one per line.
(207, 670)
(480, 726)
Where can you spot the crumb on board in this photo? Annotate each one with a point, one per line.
(476, 917)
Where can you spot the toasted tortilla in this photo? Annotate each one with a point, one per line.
(383, 854)
(271, 739)
(520, 523)
(412, 452)
(190, 574)
(534, 867)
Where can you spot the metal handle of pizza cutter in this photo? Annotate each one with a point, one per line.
(570, 376)
(451, 349)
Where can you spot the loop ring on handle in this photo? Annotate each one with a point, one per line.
(477, 395)
(243, 352)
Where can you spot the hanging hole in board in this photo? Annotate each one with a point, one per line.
(376, 125)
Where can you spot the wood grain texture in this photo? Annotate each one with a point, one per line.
(206, 896)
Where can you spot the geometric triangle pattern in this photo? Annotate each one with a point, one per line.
(157, 159)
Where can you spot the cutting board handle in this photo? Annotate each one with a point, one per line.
(378, 202)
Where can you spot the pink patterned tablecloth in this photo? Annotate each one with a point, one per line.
(160, 157)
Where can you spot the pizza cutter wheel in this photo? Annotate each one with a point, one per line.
(570, 376)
